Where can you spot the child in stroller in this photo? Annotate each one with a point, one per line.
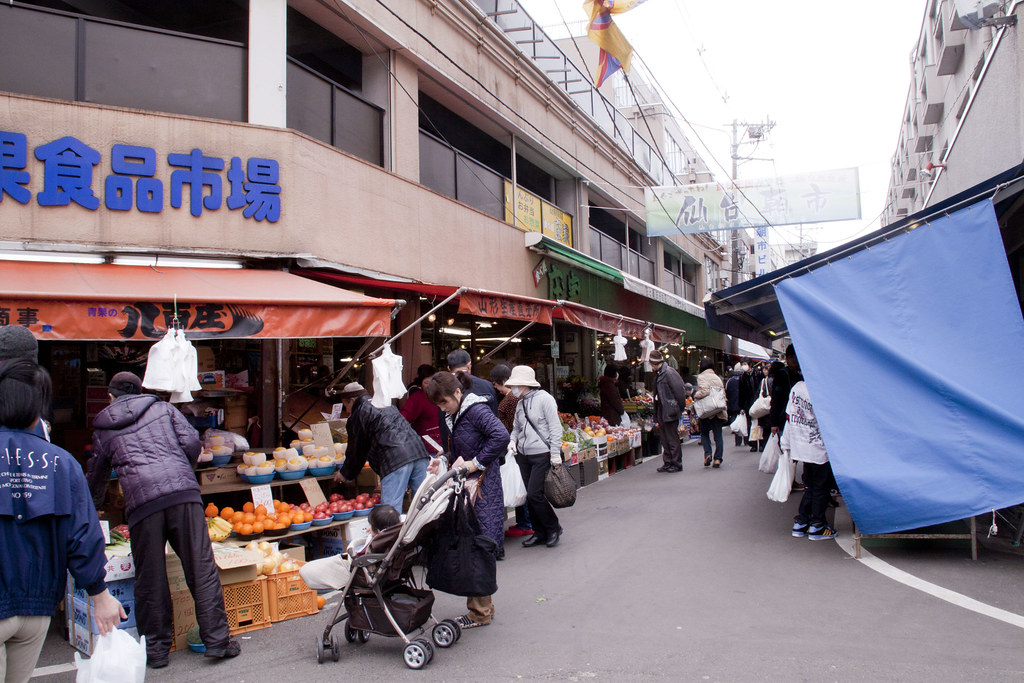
(332, 573)
(382, 594)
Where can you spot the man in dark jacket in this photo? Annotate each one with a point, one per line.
(153, 449)
(669, 400)
(460, 361)
(732, 397)
(611, 402)
(384, 438)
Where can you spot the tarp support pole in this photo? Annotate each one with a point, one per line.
(503, 344)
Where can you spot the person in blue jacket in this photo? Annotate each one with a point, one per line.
(48, 525)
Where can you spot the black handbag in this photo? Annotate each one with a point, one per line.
(560, 487)
(462, 560)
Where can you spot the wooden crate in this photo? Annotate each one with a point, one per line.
(289, 597)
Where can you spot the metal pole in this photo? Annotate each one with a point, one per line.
(505, 343)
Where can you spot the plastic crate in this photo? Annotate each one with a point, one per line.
(289, 597)
(246, 605)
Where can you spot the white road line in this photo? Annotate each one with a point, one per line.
(53, 670)
(845, 542)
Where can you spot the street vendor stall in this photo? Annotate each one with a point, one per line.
(915, 438)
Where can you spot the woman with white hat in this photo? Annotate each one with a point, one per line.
(537, 435)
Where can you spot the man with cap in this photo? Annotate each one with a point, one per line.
(154, 449)
(669, 400)
(387, 441)
(460, 361)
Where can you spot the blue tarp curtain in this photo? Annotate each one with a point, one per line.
(913, 353)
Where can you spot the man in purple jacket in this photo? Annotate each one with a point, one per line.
(153, 449)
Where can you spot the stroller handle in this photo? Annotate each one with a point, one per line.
(458, 473)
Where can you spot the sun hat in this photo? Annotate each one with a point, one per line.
(522, 376)
(352, 390)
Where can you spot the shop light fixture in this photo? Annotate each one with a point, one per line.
(451, 321)
(157, 261)
(514, 340)
(484, 325)
(455, 331)
(50, 257)
(431, 317)
(345, 360)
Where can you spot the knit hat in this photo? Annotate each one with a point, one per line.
(17, 342)
(352, 390)
(656, 357)
(124, 383)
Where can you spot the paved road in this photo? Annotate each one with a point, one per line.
(689, 576)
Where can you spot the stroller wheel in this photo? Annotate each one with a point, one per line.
(455, 626)
(443, 634)
(363, 636)
(416, 655)
(350, 633)
(319, 650)
(429, 646)
(335, 647)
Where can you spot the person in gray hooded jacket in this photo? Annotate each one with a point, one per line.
(153, 449)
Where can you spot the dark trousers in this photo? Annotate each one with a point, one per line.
(818, 484)
(737, 437)
(184, 526)
(534, 468)
(709, 426)
(672, 450)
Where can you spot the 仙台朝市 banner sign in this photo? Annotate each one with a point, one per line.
(815, 197)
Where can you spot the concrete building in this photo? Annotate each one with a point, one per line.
(400, 152)
(963, 123)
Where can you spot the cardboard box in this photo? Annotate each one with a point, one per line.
(234, 565)
(81, 613)
(212, 379)
(588, 454)
(219, 475)
(183, 612)
(588, 471)
(295, 552)
(119, 568)
(332, 546)
(84, 640)
(122, 590)
(204, 355)
(602, 469)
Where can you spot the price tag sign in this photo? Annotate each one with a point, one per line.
(105, 528)
(314, 494)
(261, 495)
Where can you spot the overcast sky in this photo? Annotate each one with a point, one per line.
(832, 76)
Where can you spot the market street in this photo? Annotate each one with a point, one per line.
(690, 576)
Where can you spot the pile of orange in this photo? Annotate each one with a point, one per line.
(257, 519)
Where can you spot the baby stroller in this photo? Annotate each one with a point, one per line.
(382, 595)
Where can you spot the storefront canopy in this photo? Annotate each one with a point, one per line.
(113, 302)
(751, 311)
(612, 323)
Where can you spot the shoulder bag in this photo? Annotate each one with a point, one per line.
(711, 404)
(559, 486)
(763, 405)
(462, 559)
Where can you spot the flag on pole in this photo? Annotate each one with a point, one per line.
(616, 52)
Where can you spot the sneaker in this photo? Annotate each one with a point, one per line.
(821, 533)
(799, 530)
(230, 650)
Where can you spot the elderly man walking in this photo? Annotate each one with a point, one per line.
(669, 400)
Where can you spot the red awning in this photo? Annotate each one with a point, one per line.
(105, 301)
(610, 323)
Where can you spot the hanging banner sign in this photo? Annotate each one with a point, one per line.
(593, 319)
(148, 320)
(816, 197)
(493, 305)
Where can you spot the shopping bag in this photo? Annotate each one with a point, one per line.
(739, 425)
(624, 420)
(770, 457)
(512, 481)
(461, 558)
(782, 482)
(711, 404)
(560, 487)
(763, 405)
(756, 432)
(117, 658)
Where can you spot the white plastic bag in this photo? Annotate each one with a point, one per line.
(117, 658)
(782, 482)
(624, 420)
(739, 425)
(770, 456)
(512, 481)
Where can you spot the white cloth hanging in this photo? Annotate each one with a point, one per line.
(186, 369)
(387, 378)
(619, 342)
(646, 346)
(160, 368)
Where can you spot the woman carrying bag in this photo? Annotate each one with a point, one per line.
(476, 434)
(537, 435)
(710, 404)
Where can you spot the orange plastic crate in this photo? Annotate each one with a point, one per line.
(289, 597)
(246, 605)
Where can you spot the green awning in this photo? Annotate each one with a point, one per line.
(558, 251)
